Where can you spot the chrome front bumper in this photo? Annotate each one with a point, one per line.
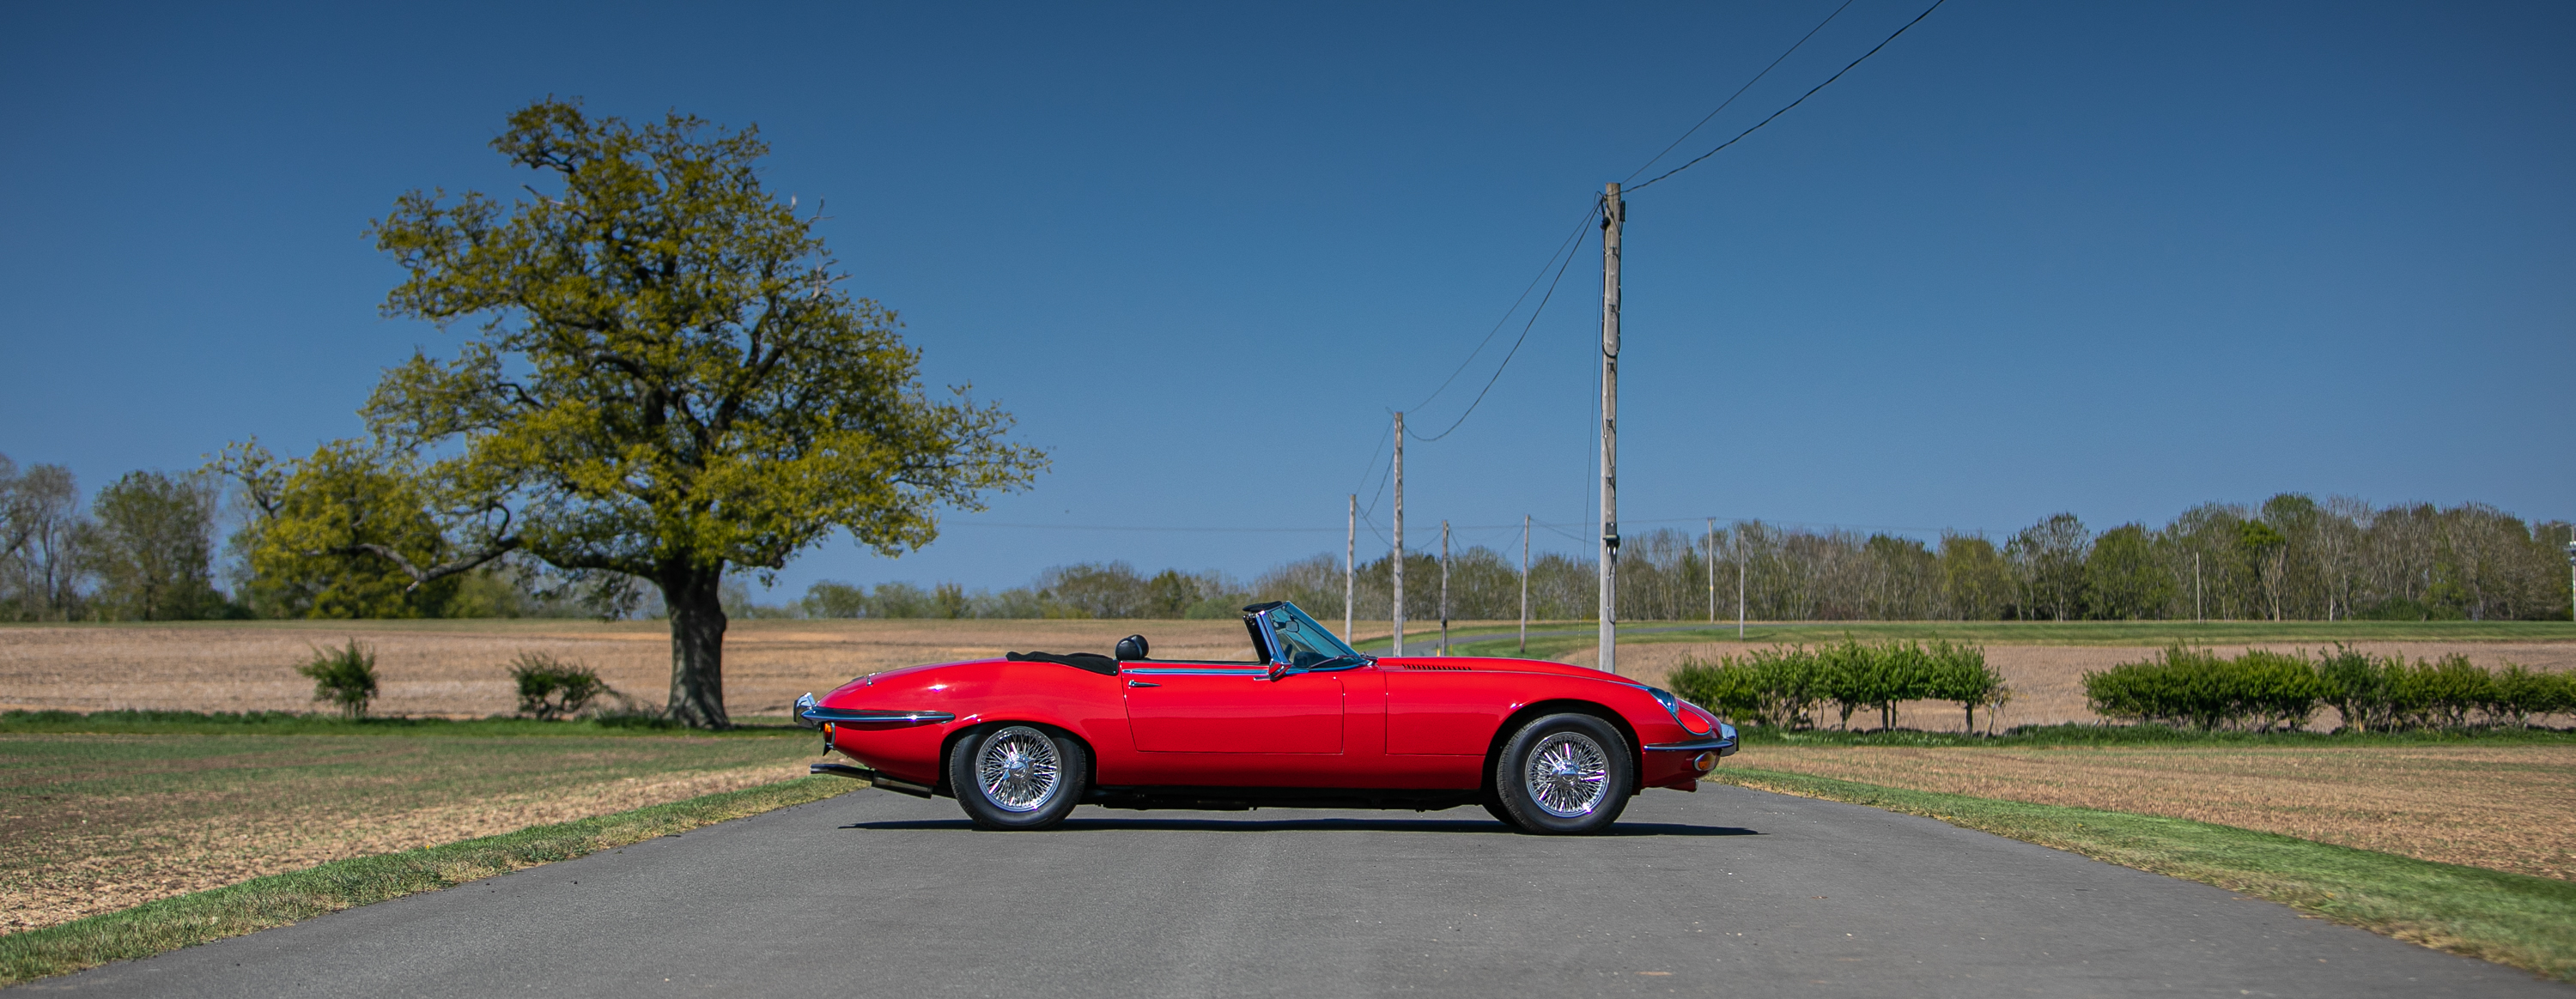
(1723, 741)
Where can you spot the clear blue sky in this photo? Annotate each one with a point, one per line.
(2033, 257)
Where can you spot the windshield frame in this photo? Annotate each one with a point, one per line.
(1343, 657)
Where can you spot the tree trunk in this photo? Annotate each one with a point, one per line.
(691, 595)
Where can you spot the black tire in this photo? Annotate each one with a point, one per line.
(1013, 776)
(1494, 807)
(1564, 775)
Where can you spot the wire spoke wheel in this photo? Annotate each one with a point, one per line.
(1568, 774)
(1018, 770)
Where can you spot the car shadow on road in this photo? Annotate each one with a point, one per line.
(1452, 826)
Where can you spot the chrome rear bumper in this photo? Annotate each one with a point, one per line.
(874, 779)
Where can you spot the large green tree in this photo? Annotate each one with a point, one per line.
(665, 378)
(330, 534)
(151, 548)
(2123, 580)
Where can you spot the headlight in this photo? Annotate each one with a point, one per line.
(1688, 720)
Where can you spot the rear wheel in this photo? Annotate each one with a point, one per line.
(1564, 774)
(1018, 777)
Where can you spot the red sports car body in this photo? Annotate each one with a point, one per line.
(1020, 741)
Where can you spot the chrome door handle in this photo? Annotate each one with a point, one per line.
(1142, 683)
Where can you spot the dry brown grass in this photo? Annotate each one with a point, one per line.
(98, 823)
(2499, 807)
(2048, 680)
(460, 668)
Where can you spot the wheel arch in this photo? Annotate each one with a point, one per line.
(1536, 710)
(948, 744)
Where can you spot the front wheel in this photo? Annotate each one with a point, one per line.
(1018, 777)
(1564, 774)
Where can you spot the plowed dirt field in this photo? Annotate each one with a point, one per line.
(2500, 807)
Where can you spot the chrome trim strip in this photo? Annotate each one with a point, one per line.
(1691, 745)
(1197, 670)
(867, 717)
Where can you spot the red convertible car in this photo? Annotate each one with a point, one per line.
(1020, 741)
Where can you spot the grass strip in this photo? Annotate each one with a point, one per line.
(2043, 736)
(2515, 919)
(301, 723)
(279, 899)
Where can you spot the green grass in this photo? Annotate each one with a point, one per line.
(2045, 736)
(2519, 920)
(297, 723)
(1502, 640)
(277, 900)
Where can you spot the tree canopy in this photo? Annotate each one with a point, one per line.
(664, 378)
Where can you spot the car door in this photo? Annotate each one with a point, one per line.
(1175, 707)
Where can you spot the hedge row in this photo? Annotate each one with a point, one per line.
(2261, 691)
(1781, 686)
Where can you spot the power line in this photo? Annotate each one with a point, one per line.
(1802, 98)
(1739, 91)
(1378, 529)
(1507, 313)
(1159, 530)
(1524, 337)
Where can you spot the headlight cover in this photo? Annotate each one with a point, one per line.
(1673, 706)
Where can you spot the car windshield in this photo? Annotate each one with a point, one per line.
(1303, 643)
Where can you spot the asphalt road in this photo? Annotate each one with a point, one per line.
(1726, 892)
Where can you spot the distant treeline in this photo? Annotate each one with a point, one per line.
(2292, 558)
(147, 547)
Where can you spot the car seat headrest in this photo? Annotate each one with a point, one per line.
(1131, 647)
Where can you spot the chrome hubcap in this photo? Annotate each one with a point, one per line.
(1568, 774)
(1018, 770)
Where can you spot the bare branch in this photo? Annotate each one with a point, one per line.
(433, 573)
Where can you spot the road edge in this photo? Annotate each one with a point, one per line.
(169, 924)
(2516, 920)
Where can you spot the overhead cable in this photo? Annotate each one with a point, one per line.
(1739, 91)
(1516, 307)
(1802, 98)
(1524, 337)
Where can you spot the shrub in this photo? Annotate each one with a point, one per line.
(1779, 686)
(1774, 686)
(2518, 693)
(345, 677)
(2262, 690)
(1959, 674)
(2446, 690)
(2359, 686)
(550, 688)
(2199, 689)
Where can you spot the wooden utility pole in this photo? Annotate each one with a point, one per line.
(1739, 588)
(1614, 212)
(1444, 587)
(1712, 570)
(1525, 525)
(1350, 571)
(1398, 566)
